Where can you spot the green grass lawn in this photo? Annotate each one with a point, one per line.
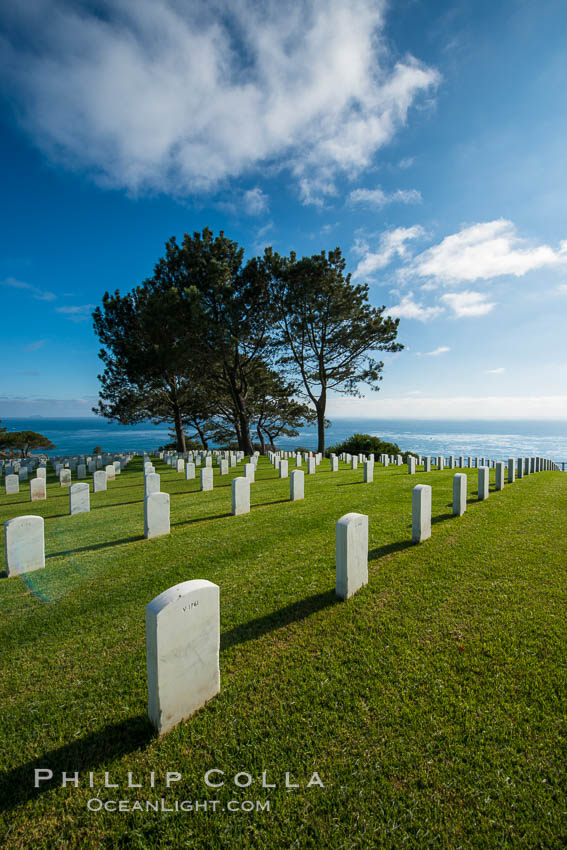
(432, 704)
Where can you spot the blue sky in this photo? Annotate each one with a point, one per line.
(426, 139)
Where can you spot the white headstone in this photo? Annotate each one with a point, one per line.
(283, 468)
(12, 484)
(23, 545)
(240, 496)
(311, 466)
(411, 465)
(206, 478)
(110, 472)
(368, 471)
(421, 513)
(351, 553)
(427, 464)
(460, 482)
(500, 467)
(296, 485)
(334, 464)
(511, 470)
(189, 471)
(354, 464)
(249, 472)
(37, 489)
(223, 467)
(156, 515)
(182, 651)
(41, 472)
(81, 470)
(151, 483)
(483, 482)
(180, 464)
(99, 481)
(79, 498)
(65, 477)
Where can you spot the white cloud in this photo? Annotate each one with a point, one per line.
(561, 289)
(378, 198)
(483, 251)
(256, 201)
(79, 313)
(392, 244)
(468, 304)
(498, 371)
(443, 349)
(409, 309)
(260, 242)
(164, 95)
(36, 292)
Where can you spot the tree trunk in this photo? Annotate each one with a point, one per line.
(262, 441)
(245, 438)
(201, 434)
(320, 407)
(179, 432)
(242, 423)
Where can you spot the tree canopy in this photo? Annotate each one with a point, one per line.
(24, 442)
(225, 347)
(328, 331)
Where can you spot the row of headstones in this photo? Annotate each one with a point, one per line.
(157, 510)
(206, 457)
(188, 614)
(24, 466)
(9, 467)
(38, 485)
(181, 464)
(24, 536)
(25, 553)
(525, 465)
(157, 504)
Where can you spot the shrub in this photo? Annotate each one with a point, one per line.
(367, 444)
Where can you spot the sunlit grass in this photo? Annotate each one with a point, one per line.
(432, 704)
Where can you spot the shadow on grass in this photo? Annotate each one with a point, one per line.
(441, 518)
(275, 502)
(95, 546)
(31, 504)
(277, 619)
(350, 483)
(200, 519)
(389, 549)
(116, 504)
(111, 742)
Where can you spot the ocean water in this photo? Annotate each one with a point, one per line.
(497, 440)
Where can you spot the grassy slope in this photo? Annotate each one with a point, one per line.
(432, 703)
